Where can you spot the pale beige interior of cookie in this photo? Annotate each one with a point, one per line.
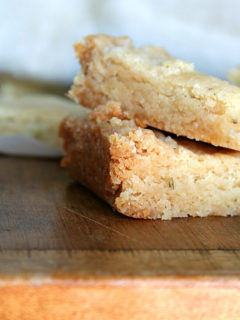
(145, 174)
(158, 90)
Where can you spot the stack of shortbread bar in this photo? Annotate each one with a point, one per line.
(144, 172)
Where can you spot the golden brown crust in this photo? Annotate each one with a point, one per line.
(157, 90)
(144, 174)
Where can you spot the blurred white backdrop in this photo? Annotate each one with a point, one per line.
(36, 37)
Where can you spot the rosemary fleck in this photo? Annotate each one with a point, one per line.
(171, 183)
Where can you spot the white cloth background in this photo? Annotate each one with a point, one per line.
(36, 36)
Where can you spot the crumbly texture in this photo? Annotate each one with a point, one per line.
(36, 115)
(157, 90)
(145, 174)
(234, 76)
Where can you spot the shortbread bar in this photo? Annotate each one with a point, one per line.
(157, 90)
(144, 173)
(35, 115)
(234, 76)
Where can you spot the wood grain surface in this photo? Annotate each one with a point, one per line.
(65, 254)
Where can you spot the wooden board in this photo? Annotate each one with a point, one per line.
(65, 254)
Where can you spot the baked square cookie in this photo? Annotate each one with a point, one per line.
(35, 115)
(157, 90)
(146, 174)
(234, 76)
